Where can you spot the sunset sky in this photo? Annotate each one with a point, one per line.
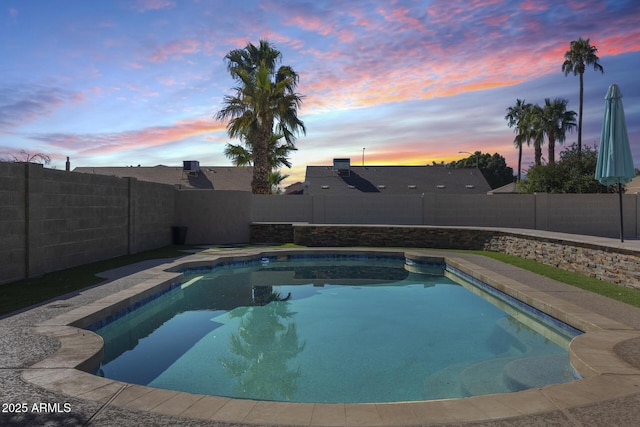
(128, 82)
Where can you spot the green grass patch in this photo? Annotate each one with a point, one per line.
(611, 290)
(24, 293)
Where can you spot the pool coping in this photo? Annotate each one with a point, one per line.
(605, 375)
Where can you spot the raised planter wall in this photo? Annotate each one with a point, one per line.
(610, 263)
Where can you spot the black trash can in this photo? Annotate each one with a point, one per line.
(179, 235)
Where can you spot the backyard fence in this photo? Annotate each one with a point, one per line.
(53, 219)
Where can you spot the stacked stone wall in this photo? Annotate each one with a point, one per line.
(271, 233)
(609, 263)
(616, 265)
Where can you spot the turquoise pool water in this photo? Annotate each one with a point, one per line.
(345, 330)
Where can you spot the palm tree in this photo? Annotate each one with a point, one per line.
(275, 179)
(278, 154)
(240, 155)
(532, 130)
(576, 59)
(515, 118)
(264, 103)
(557, 121)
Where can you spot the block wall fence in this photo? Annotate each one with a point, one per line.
(53, 219)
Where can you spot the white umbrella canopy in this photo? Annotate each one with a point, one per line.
(615, 163)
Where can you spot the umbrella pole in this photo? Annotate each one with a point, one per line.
(620, 197)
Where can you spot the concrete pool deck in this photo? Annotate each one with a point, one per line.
(40, 385)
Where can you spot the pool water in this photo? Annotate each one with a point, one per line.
(319, 330)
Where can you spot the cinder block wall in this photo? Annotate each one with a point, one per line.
(152, 215)
(74, 218)
(12, 221)
(219, 217)
(590, 214)
(51, 219)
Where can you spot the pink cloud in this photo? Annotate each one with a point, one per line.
(534, 6)
(497, 20)
(281, 39)
(175, 49)
(167, 81)
(402, 16)
(104, 143)
(310, 23)
(383, 68)
(617, 44)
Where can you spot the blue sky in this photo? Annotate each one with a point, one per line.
(128, 82)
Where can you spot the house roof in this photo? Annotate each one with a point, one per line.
(394, 180)
(295, 188)
(510, 188)
(208, 177)
(633, 186)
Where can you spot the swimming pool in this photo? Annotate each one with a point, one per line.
(334, 329)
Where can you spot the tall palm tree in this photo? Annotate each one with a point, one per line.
(576, 59)
(515, 118)
(557, 121)
(263, 103)
(278, 154)
(532, 130)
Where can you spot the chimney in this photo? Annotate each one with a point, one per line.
(68, 165)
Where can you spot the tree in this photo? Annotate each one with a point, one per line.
(515, 117)
(556, 121)
(27, 157)
(576, 59)
(263, 103)
(493, 167)
(275, 179)
(533, 130)
(278, 156)
(278, 153)
(573, 173)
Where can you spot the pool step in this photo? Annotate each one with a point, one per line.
(538, 371)
(467, 380)
(486, 377)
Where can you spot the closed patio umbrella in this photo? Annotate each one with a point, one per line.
(615, 164)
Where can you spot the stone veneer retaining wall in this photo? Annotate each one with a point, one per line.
(616, 265)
